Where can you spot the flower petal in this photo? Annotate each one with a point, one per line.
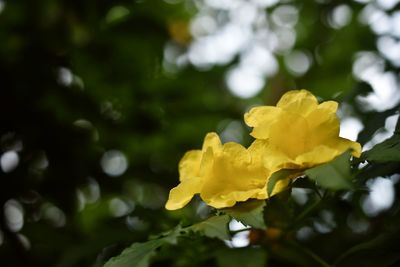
(212, 141)
(323, 128)
(190, 164)
(330, 106)
(282, 184)
(230, 199)
(325, 153)
(181, 195)
(260, 118)
(233, 178)
(298, 101)
(290, 134)
(343, 144)
(317, 155)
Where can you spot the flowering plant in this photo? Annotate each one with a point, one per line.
(296, 146)
(298, 134)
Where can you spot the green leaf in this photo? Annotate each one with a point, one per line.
(387, 151)
(303, 183)
(243, 257)
(249, 213)
(334, 175)
(213, 227)
(280, 176)
(377, 169)
(171, 236)
(137, 255)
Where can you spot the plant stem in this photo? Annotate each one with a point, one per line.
(311, 253)
(307, 211)
(240, 230)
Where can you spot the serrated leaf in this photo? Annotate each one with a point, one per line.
(387, 151)
(280, 176)
(171, 236)
(137, 255)
(213, 227)
(242, 257)
(335, 175)
(249, 213)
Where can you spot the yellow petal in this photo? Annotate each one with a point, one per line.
(183, 193)
(290, 134)
(356, 149)
(317, 155)
(271, 157)
(189, 165)
(330, 106)
(237, 154)
(230, 199)
(233, 177)
(257, 150)
(261, 119)
(212, 141)
(298, 102)
(324, 112)
(323, 129)
(343, 144)
(325, 153)
(282, 185)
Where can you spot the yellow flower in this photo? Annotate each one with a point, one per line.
(221, 174)
(298, 133)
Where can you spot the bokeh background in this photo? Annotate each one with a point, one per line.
(100, 99)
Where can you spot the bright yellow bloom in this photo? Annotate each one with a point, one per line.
(221, 174)
(298, 133)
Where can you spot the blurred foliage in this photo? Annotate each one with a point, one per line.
(84, 89)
